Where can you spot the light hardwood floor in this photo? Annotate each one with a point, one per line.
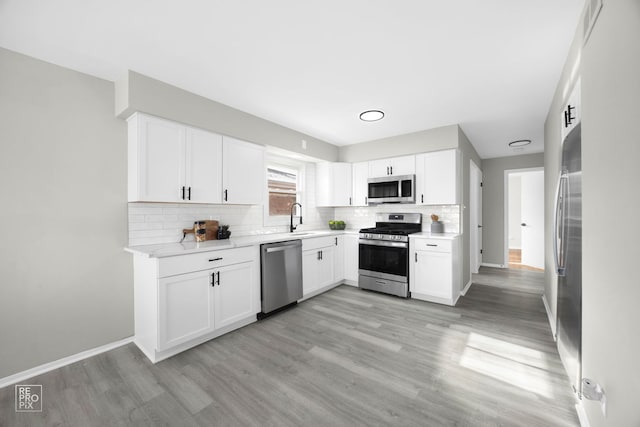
(344, 358)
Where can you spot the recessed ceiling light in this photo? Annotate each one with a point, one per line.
(519, 143)
(371, 115)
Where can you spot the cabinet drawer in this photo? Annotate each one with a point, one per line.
(171, 266)
(318, 242)
(433, 245)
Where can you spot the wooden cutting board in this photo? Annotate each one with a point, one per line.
(211, 227)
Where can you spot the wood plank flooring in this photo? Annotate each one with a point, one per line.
(344, 358)
(515, 261)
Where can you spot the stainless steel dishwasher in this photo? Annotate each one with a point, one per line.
(281, 275)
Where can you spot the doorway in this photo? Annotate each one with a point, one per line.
(475, 217)
(524, 214)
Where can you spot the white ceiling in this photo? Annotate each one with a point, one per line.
(491, 66)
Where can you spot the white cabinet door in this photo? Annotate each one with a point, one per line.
(184, 308)
(156, 156)
(338, 261)
(378, 168)
(204, 166)
(234, 293)
(243, 172)
(405, 165)
(433, 274)
(351, 251)
(310, 260)
(333, 184)
(360, 174)
(318, 266)
(437, 178)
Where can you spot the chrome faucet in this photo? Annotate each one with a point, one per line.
(293, 206)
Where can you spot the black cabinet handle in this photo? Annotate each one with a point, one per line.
(183, 192)
(433, 246)
(225, 195)
(349, 201)
(218, 275)
(524, 224)
(416, 256)
(212, 282)
(336, 241)
(422, 198)
(366, 200)
(215, 259)
(387, 170)
(391, 167)
(189, 196)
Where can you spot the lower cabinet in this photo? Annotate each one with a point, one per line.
(321, 265)
(176, 312)
(434, 270)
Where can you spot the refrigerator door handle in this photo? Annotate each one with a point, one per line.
(558, 227)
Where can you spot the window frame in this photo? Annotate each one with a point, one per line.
(286, 164)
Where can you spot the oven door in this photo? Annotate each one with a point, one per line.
(385, 260)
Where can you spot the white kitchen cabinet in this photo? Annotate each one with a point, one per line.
(182, 301)
(437, 178)
(333, 184)
(351, 252)
(235, 293)
(172, 162)
(405, 165)
(318, 264)
(338, 259)
(184, 310)
(434, 270)
(360, 174)
(156, 159)
(243, 172)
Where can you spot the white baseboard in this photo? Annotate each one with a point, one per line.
(487, 264)
(552, 322)
(466, 288)
(39, 370)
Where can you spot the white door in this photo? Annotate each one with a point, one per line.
(378, 168)
(405, 165)
(360, 187)
(161, 165)
(475, 217)
(234, 293)
(341, 179)
(532, 216)
(204, 166)
(338, 264)
(243, 172)
(433, 274)
(310, 260)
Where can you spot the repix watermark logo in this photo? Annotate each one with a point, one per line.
(28, 398)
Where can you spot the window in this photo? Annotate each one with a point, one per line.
(284, 189)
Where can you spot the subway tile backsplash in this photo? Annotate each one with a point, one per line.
(362, 217)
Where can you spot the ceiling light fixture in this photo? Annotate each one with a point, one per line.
(371, 115)
(519, 143)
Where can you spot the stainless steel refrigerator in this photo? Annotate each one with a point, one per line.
(568, 255)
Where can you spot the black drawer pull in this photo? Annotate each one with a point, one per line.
(215, 259)
(429, 244)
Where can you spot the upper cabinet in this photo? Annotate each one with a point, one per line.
(243, 172)
(405, 165)
(171, 162)
(437, 180)
(333, 184)
(360, 174)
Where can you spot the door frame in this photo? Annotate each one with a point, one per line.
(475, 217)
(507, 172)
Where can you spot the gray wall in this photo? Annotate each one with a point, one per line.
(435, 139)
(136, 92)
(468, 153)
(493, 199)
(66, 284)
(610, 155)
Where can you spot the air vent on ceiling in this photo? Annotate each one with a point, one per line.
(591, 13)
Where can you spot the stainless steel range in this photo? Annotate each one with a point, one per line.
(384, 253)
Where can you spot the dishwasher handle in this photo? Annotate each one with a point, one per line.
(279, 247)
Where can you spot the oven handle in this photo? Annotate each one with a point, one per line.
(383, 243)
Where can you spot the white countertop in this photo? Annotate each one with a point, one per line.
(429, 235)
(162, 250)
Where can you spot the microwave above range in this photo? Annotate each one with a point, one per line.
(392, 189)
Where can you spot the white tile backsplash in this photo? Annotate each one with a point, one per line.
(362, 217)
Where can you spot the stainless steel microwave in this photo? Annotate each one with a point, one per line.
(392, 189)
